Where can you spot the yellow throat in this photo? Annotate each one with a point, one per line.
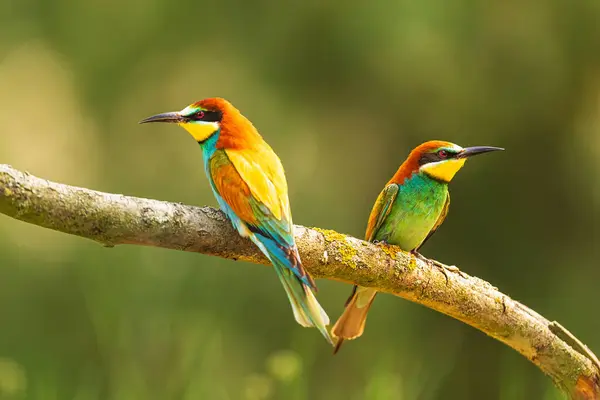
(444, 170)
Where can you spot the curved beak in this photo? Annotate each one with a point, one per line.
(475, 150)
(173, 117)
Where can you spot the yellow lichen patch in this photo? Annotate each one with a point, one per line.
(403, 259)
(330, 236)
(7, 192)
(390, 250)
(412, 264)
(345, 250)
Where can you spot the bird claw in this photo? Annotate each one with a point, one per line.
(422, 257)
(450, 268)
(444, 269)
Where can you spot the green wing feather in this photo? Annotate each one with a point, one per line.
(381, 209)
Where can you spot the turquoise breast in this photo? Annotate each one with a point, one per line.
(416, 209)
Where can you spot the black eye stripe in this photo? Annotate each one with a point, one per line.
(428, 158)
(207, 116)
(435, 157)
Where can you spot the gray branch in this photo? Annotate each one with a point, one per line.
(113, 219)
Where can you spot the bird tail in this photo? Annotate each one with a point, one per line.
(307, 310)
(297, 284)
(352, 322)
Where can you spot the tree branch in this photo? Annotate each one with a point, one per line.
(113, 219)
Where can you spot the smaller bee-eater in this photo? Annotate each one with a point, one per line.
(248, 180)
(411, 207)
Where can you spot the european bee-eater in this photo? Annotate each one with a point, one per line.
(411, 207)
(248, 180)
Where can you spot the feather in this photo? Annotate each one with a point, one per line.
(411, 164)
(381, 209)
(243, 197)
(256, 202)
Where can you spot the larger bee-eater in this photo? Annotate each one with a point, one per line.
(411, 207)
(248, 180)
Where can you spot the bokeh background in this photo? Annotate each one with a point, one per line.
(342, 90)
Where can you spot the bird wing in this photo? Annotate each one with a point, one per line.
(252, 182)
(263, 173)
(439, 221)
(381, 209)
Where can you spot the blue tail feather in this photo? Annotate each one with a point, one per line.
(307, 310)
(282, 253)
(287, 258)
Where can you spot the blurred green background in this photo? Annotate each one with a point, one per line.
(342, 90)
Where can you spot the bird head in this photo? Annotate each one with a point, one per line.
(439, 160)
(442, 160)
(205, 118)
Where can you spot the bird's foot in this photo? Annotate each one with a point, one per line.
(422, 257)
(451, 268)
(442, 267)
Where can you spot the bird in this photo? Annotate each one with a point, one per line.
(408, 211)
(248, 180)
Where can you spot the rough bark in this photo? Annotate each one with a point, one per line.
(113, 219)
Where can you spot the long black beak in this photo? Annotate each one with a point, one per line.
(473, 151)
(173, 117)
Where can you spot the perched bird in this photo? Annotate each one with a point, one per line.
(411, 207)
(248, 180)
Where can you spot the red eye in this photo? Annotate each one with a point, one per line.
(443, 154)
(200, 115)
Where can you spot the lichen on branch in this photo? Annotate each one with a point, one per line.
(113, 219)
